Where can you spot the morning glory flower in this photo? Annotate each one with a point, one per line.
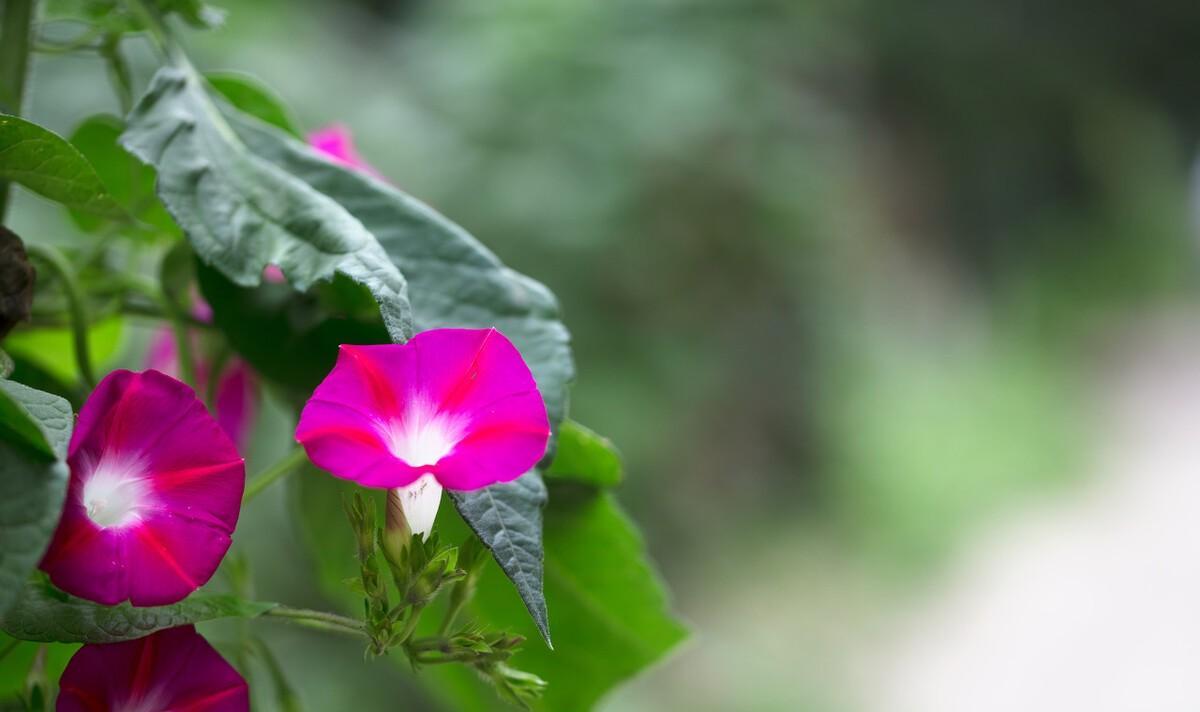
(336, 142)
(155, 491)
(173, 669)
(452, 408)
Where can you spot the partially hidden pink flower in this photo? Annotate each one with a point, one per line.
(154, 496)
(452, 408)
(336, 142)
(173, 669)
(236, 398)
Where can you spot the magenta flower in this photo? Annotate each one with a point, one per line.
(452, 408)
(155, 491)
(336, 142)
(174, 669)
(236, 401)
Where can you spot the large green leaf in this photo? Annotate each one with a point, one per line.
(507, 518)
(585, 457)
(33, 447)
(611, 614)
(130, 181)
(47, 615)
(45, 163)
(242, 213)
(454, 281)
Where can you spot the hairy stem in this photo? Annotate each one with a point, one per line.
(318, 619)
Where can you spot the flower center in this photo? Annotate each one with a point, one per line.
(115, 491)
(422, 436)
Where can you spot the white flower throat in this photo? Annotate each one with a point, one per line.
(115, 490)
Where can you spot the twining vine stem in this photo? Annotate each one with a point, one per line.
(283, 466)
(16, 32)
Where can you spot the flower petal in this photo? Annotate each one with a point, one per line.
(336, 142)
(173, 669)
(155, 493)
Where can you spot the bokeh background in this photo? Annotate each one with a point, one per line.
(891, 308)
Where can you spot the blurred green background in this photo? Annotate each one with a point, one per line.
(837, 273)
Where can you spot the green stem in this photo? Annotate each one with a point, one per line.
(318, 619)
(285, 465)
(75, 306)
(16, 33)
(285, 694)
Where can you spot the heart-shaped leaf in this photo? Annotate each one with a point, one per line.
(47, 164)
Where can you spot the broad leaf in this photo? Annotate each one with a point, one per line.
(611, 614)
(454, 281)
(242, 213)
(33, 446)
(45, 163)
(130, 181)
(47, 615)
(507, 518)
(584, 457)
(253, 97)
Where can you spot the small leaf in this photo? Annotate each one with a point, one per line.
(242, 213)
(584, 457)
(47, 615)
(45, 163)
(130, 181)
(33, 447)
(252, 97)
(507, 518)
(16, 281)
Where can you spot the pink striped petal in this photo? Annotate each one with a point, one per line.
(459, 404)
(174, 669)
(155, 492)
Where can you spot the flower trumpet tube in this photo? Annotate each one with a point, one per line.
(154, 496)
(174, 669)
(452, 408)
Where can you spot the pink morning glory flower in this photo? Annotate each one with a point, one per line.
(155, 491)
(336, 142)
(236, 401)
(174, 669)
(452, 408)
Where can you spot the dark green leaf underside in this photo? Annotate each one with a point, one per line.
(507, 518)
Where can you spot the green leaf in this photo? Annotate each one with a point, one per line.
(242, 213)
(454, 280)
(585, 457)
(130, 181)
(51, 349)
(45, 614)
(33, 450)
(611, 614)
(45, 163)
(251, 96)
(507, 518)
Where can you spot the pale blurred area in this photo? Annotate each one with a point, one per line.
(892, 308)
